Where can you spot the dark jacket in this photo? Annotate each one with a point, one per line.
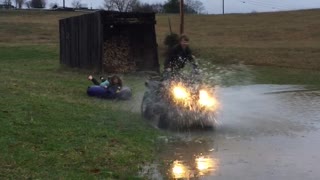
(112, 91)
(177, 58)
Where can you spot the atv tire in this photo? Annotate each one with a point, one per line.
(163, 121)
(146, 106)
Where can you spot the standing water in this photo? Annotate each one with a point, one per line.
(264, 132)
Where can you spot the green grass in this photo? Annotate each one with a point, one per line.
(51, 129)
(28, 53)
(276, 75)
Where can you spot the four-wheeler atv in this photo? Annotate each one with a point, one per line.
(179, 101)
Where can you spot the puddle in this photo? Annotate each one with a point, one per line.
(267, 110)
(264, 132)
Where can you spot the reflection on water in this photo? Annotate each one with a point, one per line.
(179, 170)
(190, 157)
(206, 165)
(201, 166)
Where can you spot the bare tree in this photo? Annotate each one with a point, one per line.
(142, 7)
(145, 7)
(7, 2)
(19, 3)
(158, 7)
(195, 5)
(108, 5)
(53, 5)
(28, 4)
(120, 5)
(38, 3)
(76, 4)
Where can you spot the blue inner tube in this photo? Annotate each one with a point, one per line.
(102, 92)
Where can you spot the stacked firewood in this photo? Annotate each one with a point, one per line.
(117, 55)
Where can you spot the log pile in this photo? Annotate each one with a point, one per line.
(117, 55)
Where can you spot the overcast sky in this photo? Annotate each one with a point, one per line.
(231, 6)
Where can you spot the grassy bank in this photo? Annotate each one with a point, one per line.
(50, 128)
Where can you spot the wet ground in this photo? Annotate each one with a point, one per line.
(264, 132)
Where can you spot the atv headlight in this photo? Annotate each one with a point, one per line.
(180, 93)
(206, 100)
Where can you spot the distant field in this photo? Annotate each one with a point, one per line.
(31, 27)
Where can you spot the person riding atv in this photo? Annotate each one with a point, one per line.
(178, 99)
(179, 55)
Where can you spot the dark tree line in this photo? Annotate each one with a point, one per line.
(170, 6)
(36, 4)
(28, 3)
(7, 2)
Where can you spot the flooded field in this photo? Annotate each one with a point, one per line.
(264, 132)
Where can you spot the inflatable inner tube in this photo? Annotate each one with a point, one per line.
(102, 92)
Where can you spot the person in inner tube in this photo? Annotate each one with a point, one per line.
(179, 55)
(104, 82)
(112, 84)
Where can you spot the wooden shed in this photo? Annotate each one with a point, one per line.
(107, 41)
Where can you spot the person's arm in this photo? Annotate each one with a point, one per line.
(105, 83)
(167, 62)
(170, 57)
(95, 82)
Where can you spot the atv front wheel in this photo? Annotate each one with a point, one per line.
(163, 121)
(146, 110)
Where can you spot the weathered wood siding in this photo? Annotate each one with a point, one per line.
(82, 38)
(81, 41)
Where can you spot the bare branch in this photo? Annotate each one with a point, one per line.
(76, 4)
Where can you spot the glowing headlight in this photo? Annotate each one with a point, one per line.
(180, 93)
(207, 101)
(179, 170)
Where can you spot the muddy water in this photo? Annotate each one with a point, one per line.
(264, 132)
